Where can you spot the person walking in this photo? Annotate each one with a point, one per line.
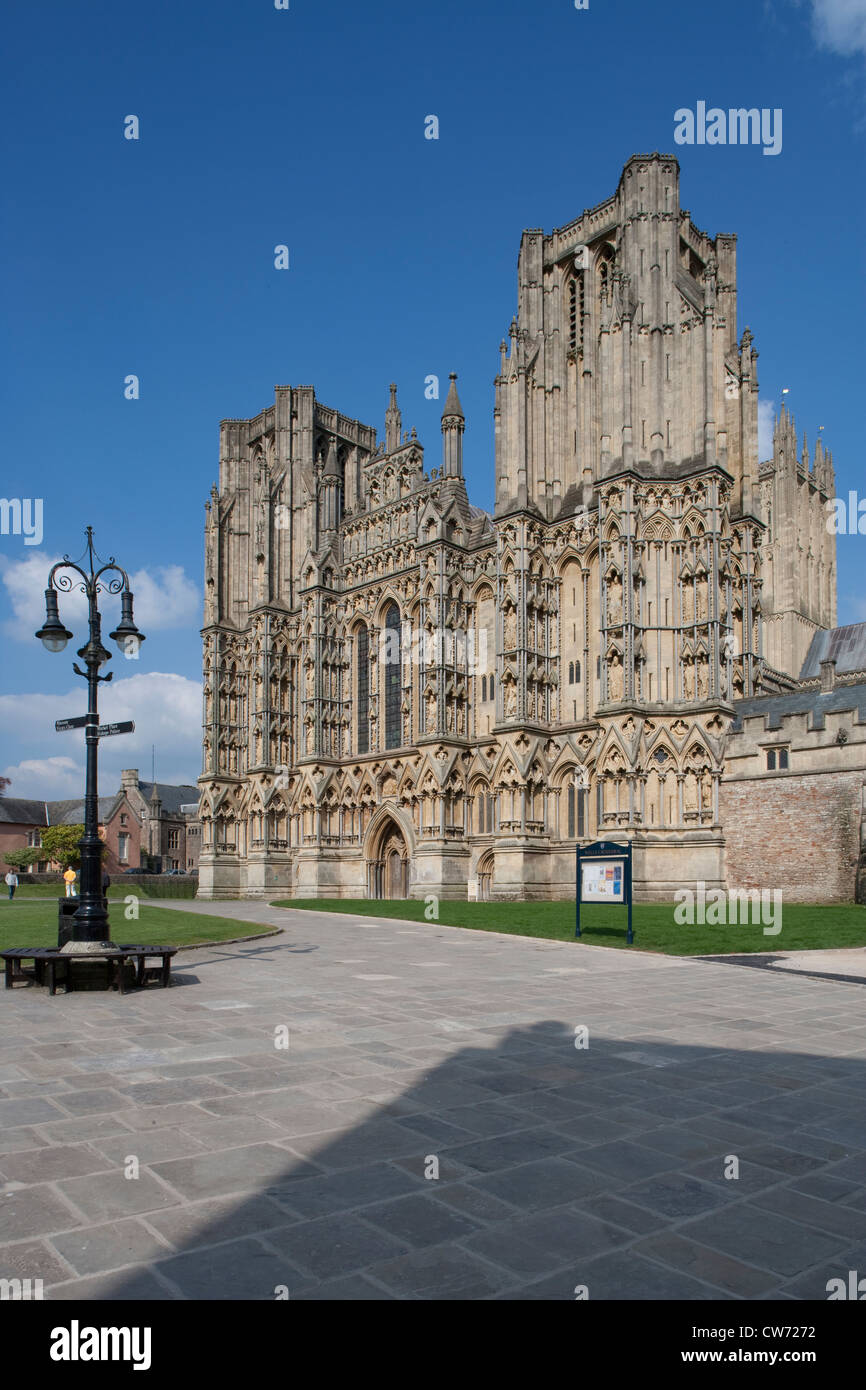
(106, 884)
(69, 879)
(11, 883)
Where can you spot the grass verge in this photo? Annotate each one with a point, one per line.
(34, 923)
(804, 927)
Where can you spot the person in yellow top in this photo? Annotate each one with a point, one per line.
(69, 879)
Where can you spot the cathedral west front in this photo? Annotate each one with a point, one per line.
(407, 696)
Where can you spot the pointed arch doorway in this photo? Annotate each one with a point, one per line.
(388, 865)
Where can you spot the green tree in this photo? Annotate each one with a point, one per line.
(61, 842)
(23, 858)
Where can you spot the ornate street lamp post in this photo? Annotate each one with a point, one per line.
(90, 922)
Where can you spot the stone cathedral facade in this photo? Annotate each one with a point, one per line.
(404, 695)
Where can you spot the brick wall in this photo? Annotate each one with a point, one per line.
(800, 833)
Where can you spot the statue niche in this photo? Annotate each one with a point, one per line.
(510, 629)
(614, 599)
(615, 678)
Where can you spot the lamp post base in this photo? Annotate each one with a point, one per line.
(87, 948)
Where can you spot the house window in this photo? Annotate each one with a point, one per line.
(393, 666)
(490, 685)
(34, 839)
(123, 848)
(363, 690)
(783, 758)
(123, 820)
(484, 690)
(771, 760)
(173, 839)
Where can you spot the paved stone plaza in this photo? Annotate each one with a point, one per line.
(305, 1168)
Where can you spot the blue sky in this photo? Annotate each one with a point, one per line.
(306, 127)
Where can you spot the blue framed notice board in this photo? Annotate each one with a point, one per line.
(603, 875)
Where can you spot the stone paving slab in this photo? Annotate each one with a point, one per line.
(431, 1131)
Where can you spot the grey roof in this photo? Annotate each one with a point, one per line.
(172, 798)
(15, 811)
(813, 702)
(71, 812)
(844, 645)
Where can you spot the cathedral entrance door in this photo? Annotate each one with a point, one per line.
(394, 875)
(390, 869)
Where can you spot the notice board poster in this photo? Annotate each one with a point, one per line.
(602, 881)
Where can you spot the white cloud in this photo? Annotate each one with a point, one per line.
(164, 598)
(61, 776)
(765, 430)
(840, 25)
(166, 709)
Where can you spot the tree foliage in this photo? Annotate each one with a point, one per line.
(61, 842)
(23, 858)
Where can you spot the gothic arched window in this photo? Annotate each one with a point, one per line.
(391, 676)
(576, 803)
(363, 649)
(575, 313)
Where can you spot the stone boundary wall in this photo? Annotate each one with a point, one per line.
(798, 833)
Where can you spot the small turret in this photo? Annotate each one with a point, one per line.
(393, 423)
(453, 424)
(330, 492)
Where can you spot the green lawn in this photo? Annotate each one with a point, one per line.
(33, 922)
(804, 927)
(170, 886)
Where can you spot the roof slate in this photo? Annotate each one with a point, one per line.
(844, 645)
(18, 811)
(812, 702)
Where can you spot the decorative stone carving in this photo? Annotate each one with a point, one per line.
(614, 599)
(615, 678)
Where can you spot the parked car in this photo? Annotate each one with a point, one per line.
(174, 871)
(132, 871)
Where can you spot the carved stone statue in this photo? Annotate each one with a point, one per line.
(614, 599)
(615, 678)
(510, 697)
(701, 599)
(703, 680)
(707, 790)
(510, 629)
(689, 680)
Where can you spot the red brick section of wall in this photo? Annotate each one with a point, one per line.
(800, 834)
